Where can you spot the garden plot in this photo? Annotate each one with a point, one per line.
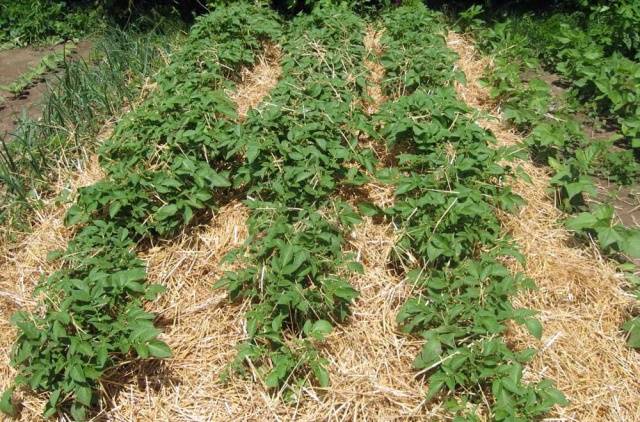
(312, 220)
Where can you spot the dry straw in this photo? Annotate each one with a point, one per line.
(257, 82)
(580, 295)
(374, 49)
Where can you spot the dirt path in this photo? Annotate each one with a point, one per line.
(16, 62)
(625, 199)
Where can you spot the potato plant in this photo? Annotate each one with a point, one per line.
(92, 317)
(448, 185)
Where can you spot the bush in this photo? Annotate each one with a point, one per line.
(29, 22)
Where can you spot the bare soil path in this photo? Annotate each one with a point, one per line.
(16, 62)
(625, 199)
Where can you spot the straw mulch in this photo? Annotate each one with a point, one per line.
(24, 262)
(375, 49)
(580, 295)
(258, 81)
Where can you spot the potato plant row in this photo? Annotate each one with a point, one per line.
(301, 147)
(448, 187)
(170, 159)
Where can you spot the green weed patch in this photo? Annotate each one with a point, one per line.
(28, 22)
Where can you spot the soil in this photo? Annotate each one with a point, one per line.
(593, 129)
(14, 63)
(625, 199)
(554, 81)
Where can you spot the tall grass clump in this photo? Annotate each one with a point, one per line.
(78, 102)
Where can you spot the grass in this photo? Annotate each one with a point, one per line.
(80, 99)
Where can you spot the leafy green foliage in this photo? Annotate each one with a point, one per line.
(184, 152)
(570, 184)
(445, 198)
(296, 6)
(92, 316)
(295, 279)
(296, 292)
(448, 185)
(168, 158)
(554, 137)
(95, 315)
(404, 72)
(75, 107)
(632, 327)
(461, 315)
(6, 404)
(610, 236)
(604, 82)
(28, 22)
(614, 25)
(180, 154)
